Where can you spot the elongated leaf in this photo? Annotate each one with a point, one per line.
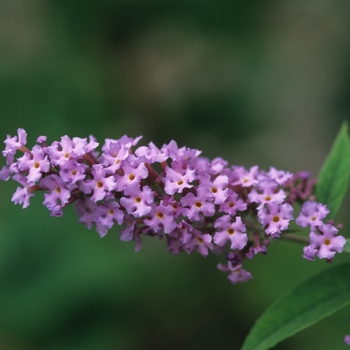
(334, 177)
(310, 302)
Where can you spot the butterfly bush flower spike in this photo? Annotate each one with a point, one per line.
(196, 204)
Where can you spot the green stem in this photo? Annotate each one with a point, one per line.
(295, 238)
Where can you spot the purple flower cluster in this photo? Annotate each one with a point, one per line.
(323, 240)
(195, 203)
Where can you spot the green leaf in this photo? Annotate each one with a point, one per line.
(310, 302)
(334, 176)
(347, 246)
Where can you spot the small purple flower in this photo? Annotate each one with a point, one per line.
(22, 194)
(151, 154)
(176, 207)
(312, 214)
(233, 232)
(79, 146)
(176, 181)
(280, 176)
(243, 177)
(275, 218)
(59, 195)
(105, 216)
(61, 152)
(35, 163)
(217, 165)
(309, 253)
(268, 192)
(347, 339)
(85, 147)
(218, 188)
(237, 274)
(124, 141)
(326, 242)
(201, 242)
(41, 140)
(179, 154)
(233, 204)
(56, 210)
(200, 165)
(100, 185)
(14, 143)
(72, 172)
(161, 218)
(184, 231)
(131, 175)
(198, 204)
(139, 201)
(114, 155)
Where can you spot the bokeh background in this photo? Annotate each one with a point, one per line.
(256, 82)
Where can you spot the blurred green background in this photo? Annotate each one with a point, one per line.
(255, 82)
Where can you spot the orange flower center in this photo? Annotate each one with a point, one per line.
(275, 218)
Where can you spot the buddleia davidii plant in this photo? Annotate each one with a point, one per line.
(197, 204)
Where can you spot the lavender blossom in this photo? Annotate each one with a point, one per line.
(233, 232)
(312, 214)
(275, 217)
(326, 241)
